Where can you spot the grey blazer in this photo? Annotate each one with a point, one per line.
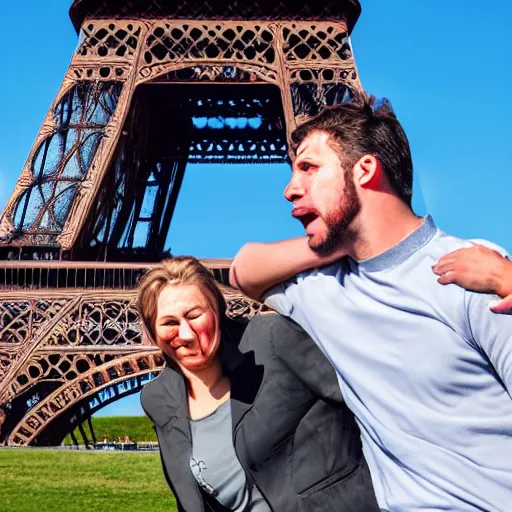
(292, 431)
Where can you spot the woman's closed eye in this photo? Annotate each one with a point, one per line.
(170, 322)
(192, 315)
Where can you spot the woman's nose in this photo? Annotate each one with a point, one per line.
(186, 332)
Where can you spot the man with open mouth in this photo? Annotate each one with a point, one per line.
(425, 368)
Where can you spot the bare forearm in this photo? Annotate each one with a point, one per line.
(259, 266)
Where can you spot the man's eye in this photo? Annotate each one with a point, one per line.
(305, 166)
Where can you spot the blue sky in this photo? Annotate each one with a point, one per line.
(445, 65)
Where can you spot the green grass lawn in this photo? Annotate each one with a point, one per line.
(37, 480)
(139, 428)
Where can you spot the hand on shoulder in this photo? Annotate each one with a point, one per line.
(479, 269)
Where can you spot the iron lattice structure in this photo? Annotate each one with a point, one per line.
(151, 86)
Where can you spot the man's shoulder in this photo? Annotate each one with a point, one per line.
(304, 288)
(318, 276)
(491, 245)
(443, 243)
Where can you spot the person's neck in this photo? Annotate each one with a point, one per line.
(380, 226)
(206, 382)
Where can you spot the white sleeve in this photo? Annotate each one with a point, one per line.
(278, 299)
(492, 333)
(286, 297)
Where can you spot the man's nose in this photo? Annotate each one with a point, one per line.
(295, 189)
(186, 332)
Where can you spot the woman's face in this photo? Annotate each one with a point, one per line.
(186, 327)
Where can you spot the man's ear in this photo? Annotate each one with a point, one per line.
(367, 171)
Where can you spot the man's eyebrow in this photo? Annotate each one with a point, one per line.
(301, 151)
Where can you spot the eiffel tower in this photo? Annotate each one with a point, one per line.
(152, 86)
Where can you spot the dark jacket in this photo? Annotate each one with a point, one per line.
(293, 434)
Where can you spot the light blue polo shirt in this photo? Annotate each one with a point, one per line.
(426, 369)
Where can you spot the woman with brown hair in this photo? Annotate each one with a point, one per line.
(248, 427)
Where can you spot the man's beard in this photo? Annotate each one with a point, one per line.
(338, 223)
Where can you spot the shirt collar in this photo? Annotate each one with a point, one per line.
(402, 250)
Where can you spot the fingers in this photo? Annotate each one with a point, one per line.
(448, 261)
(461, 259)
(447, 277)
(476, 251)
(502, 306)
(457, 253)
(450, 257)
(443, 266)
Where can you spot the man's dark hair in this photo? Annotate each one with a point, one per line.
(361, 127)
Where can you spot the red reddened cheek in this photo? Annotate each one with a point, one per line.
(206, 341)
(208, 334)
